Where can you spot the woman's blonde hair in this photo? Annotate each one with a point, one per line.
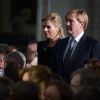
(56, 20)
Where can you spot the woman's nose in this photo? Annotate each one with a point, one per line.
(45, 29)
(67, 23)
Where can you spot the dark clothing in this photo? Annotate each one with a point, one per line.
(86, 49)
(45, 53)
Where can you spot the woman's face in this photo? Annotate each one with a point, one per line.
(50, 30)
(52, 93)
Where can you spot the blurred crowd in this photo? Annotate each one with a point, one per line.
(46, 70)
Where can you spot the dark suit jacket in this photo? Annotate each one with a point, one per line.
(87, 48)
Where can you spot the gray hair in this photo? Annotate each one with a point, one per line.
(19, 56)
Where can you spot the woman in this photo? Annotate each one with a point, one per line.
(53, 31)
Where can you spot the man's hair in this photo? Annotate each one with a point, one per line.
(80, 15)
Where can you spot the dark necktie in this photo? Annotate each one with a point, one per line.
(69, 49)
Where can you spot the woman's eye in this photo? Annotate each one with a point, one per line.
(46, 27)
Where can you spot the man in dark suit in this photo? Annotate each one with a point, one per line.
(82, 49)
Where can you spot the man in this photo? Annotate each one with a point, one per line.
(31, 54)
(82, 49)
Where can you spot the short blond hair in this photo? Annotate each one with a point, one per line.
(81, 16)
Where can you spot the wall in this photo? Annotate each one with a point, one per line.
(62, 6)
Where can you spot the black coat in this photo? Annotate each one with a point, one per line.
(45, 54)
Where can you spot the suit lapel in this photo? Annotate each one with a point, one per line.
(80, 46)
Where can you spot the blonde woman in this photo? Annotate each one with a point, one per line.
(53, 31)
